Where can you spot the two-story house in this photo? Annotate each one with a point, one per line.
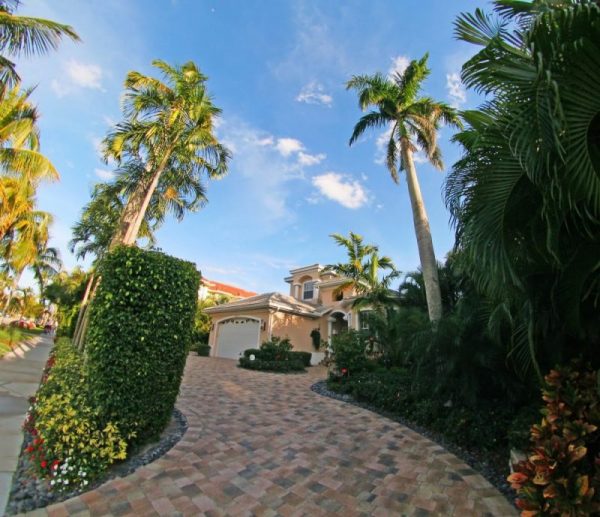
(315, 302)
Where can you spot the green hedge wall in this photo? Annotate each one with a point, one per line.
(140, 330)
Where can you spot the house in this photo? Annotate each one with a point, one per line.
(213, 288)
(316, 301)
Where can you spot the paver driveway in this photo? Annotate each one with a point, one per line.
(264, 444)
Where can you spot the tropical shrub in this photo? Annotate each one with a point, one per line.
(68, 442)
(350, 352)
(140, 330)
(315, 336)
(525, 196)
(561, 475)
(275, 355)
(289, 365)
(277, 349)
(303, 357)
(201, 349)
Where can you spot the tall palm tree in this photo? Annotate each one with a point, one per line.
(46, 265)
(24, 35)
(19, 139)
(168, 128)
(414, 122)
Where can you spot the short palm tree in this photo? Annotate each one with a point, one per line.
(23, 35)
(168, 127)
(362, 272)
(414, 123)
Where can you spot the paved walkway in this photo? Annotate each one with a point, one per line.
(20, 373)
(264, 444)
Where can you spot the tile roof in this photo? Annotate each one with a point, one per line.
(270, 301)
(220, 287)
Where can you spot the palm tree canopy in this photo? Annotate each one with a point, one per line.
(172, 120)
(412, 119)
(19, 138)
(24, 35)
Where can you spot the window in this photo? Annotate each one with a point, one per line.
(365, 316)
(309, 290)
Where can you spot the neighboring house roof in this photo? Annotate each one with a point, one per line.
(277, 301)
(221, 288)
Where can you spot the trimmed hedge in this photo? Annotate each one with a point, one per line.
(292, 365)
(252, 351)
(201, 349)
(140, 331)
(304, 357)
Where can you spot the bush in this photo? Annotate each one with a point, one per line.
(277, 349)
(272, 366)
(349, 352)
(275, 356)
(140, 330)
(69, 444)
(562, 473)
(483, 427)
(201, 349)
(303, 357)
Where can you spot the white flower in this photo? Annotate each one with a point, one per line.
(85, 482)
(252, 357)
(83, 474)
(52, 482)
(66, 481)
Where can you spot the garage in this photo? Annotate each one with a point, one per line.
(236, 335)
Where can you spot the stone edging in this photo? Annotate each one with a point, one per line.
(482, 467)
(28, 493)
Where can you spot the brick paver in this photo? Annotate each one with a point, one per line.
(264, 444)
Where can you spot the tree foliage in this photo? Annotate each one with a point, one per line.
(525, 197)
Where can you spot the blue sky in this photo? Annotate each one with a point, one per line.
(277, 69)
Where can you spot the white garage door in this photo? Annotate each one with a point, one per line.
(236, 335)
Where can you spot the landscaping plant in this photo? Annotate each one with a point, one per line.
(140, 330)
(275, 355)
(561, 475)
(67, 442)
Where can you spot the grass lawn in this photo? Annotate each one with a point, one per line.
(10, 336)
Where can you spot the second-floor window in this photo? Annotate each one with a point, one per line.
(308, 291)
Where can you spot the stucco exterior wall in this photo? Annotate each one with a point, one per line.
(296, 328)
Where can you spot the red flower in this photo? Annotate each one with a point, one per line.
(43, 464)
(344, 371)
(29, 449)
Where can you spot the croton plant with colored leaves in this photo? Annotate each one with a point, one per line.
(561, 475)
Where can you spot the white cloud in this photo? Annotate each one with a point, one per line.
(399, 64)
(310, 159)
(342, 189)
(287, 146)
(314, 93)
(77, 75)
(84, 75)
(456, 90)
(104, 175)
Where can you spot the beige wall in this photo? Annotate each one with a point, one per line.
(296, 328)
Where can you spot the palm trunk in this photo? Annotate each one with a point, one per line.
(423, 233)
(82, 311)
(11, 293)
(137, 204)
